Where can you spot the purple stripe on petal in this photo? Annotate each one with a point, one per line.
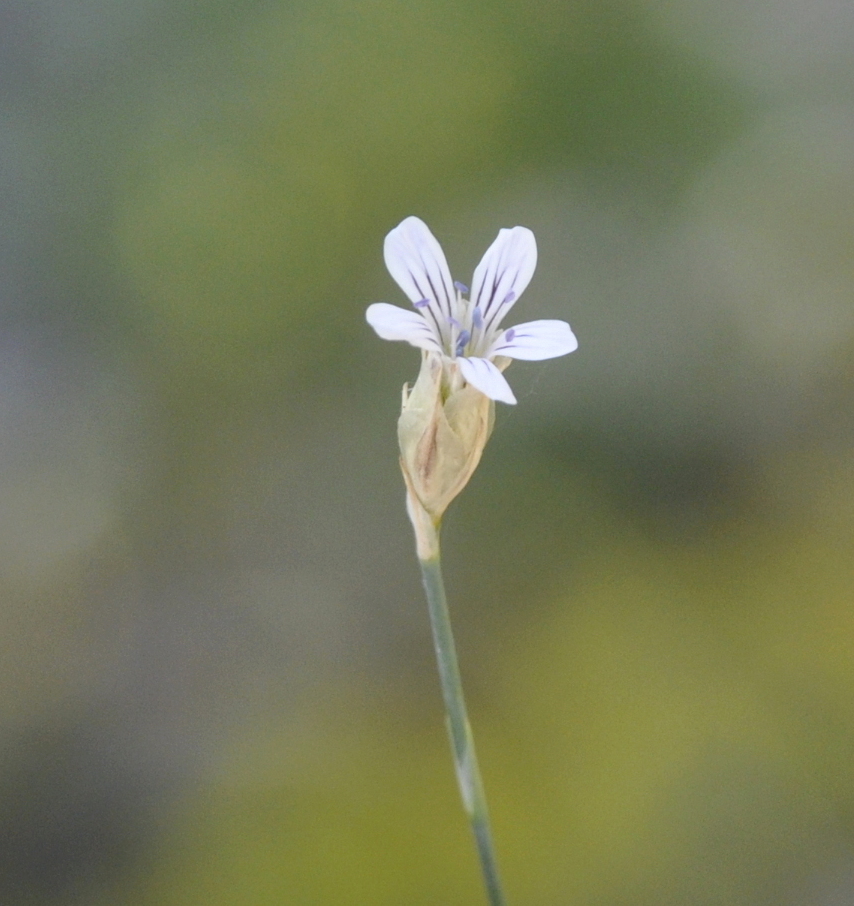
(485, 376)
(535, 340)
(503, 274)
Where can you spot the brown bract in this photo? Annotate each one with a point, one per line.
(443, 427)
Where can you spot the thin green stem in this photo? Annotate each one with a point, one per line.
(462, 741)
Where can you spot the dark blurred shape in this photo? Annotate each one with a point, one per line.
(70, 812)
(673, 488)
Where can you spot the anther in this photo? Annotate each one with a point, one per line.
(462, 341)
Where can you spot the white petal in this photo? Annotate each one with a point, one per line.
(393, 323)
(416, 261)
(503, 273)
(486, 377)
(535, 340)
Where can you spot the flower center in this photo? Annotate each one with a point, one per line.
(466, 325)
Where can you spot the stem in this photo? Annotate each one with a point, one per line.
(462, 741)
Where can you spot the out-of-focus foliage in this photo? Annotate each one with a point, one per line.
(217, 682)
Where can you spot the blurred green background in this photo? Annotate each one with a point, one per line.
(217, 681)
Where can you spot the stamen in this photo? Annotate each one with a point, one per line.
(477, 317)
(510, 297)
(462, 342)
(509, 334)
(421, 303)
(461, 287)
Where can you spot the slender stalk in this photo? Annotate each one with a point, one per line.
(462, 741)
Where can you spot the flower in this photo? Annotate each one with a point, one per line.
(447, 416)
(465, 334)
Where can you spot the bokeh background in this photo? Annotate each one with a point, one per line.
(217, 682)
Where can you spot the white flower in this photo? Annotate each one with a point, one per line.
(466, 332)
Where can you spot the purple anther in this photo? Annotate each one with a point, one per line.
(477, 317)
(508, 335)
(462, 341)
(421, 303)
(455, 323)
(461, 287)
(510, 297)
